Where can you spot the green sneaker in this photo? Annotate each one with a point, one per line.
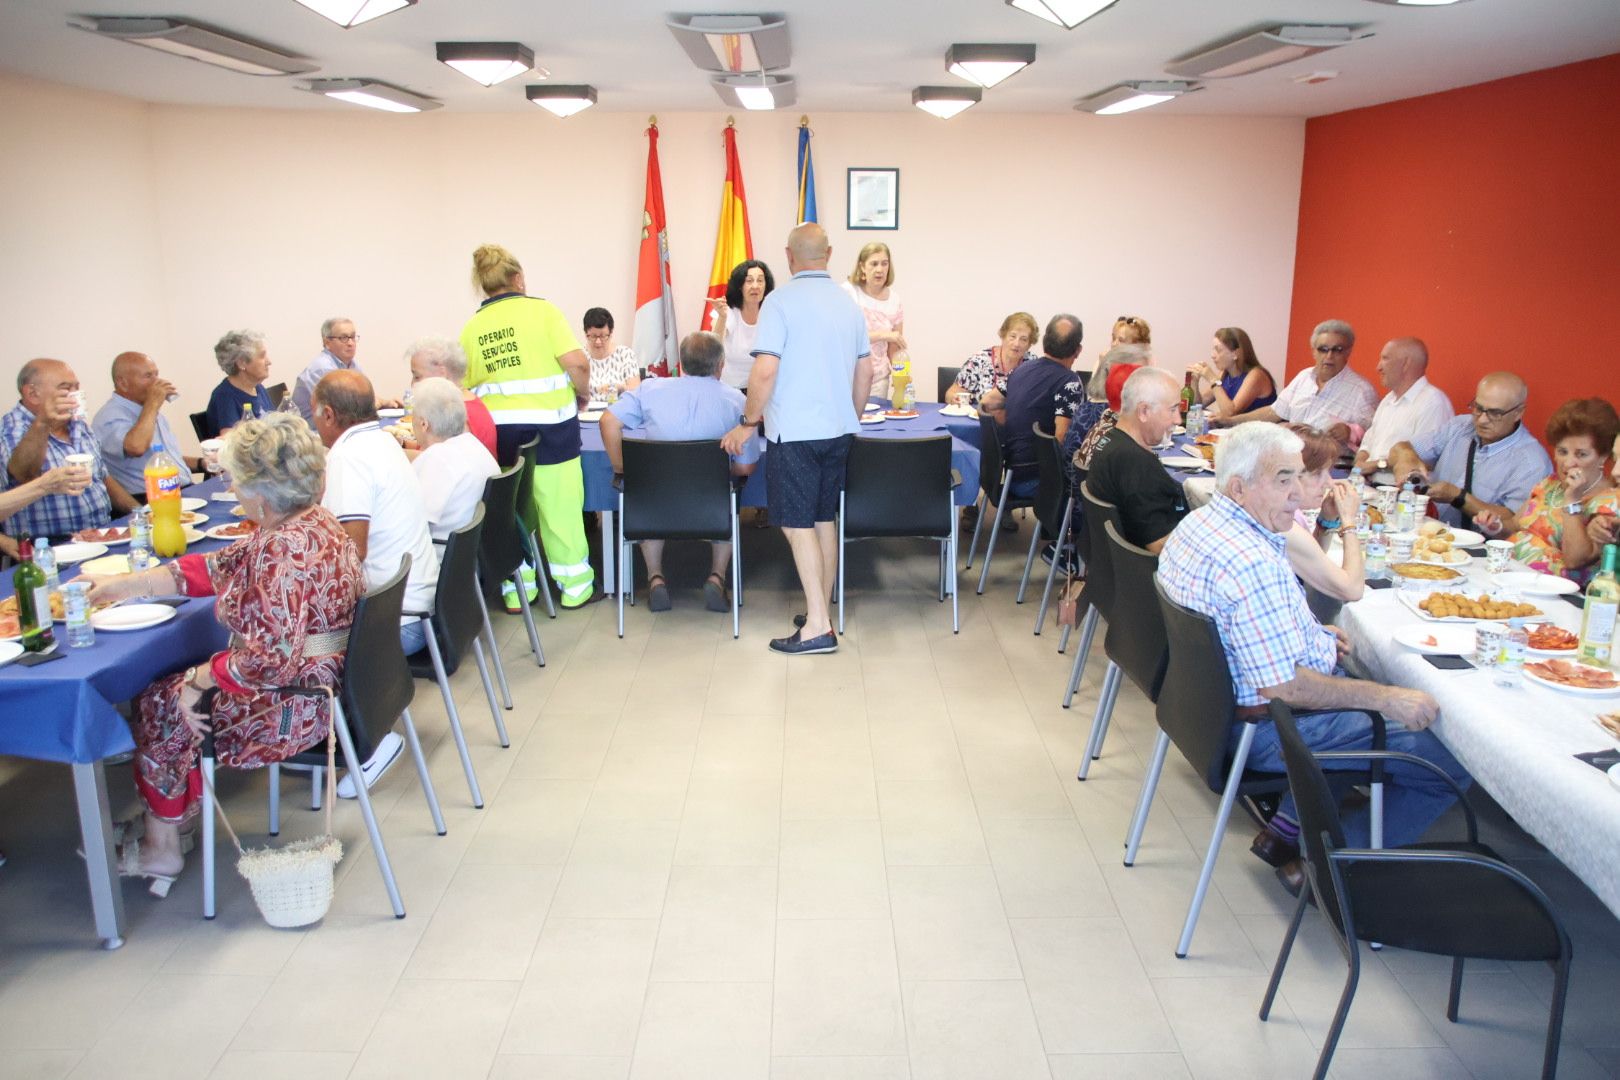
(509, 598)
(530, 588)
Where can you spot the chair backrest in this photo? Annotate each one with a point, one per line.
(278, 394)
(1052, 494)
(898, 487)
(500, 551)
(944, 379)
(1099, 577)
(377, 683)
(1196, 707)
(1136, 640)
(200, 424)
(676, 490)
(526, 455)
(457, 616)
(1316, 806)
(990, 460)
(1085, 380)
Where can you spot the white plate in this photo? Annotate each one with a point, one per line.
(9, 651)
(197, 519)
(1179, 429)
(214, 533)
(1464, 537)
(1411, 599)
(1449, 640)
(873, 418)
(1580, 691)
(390, 414)
(1614, 772)
(110, 543)
(965, 411)
(907, 416)
(1182, 461)
(223, 496)
(132, 617)
(591, 416)
(72, 553)
(872, 406)
(1531, 582)
(193, 535)
(110, 564)
(192, 502)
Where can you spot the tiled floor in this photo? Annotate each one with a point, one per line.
(700, 860)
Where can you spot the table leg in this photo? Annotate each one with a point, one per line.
(95, 817)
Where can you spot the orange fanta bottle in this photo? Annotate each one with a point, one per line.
(163, 498)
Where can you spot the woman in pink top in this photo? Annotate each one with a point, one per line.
(870, 285)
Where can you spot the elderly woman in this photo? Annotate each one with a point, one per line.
(287, 593)
(736, 318)
(442, 358)
(613, 370)
(870, 285)
(1338, 506)
(453, 464)
(986, 371)
(1551, 532)
(245, 360)
(1232, 381)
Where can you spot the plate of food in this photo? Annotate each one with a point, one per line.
(1437, 544)
(116, 534)
(1457, 608)
(10, 627)
(1569, 677)
(873, 418)
(964, 411)
(872, 406)
(73, 553)
(191, 517)
(390, 414)
(1426, 571)
(132, 617)
(231, 530)
(193, 536)
(192, 502)
(1437, 640)
(9, 610)
(1530, 581)
(224, 496)
(1549, 640)
(1465, 538)
(900, 414)
(1182, 461)
(237, 511)
(591, 416)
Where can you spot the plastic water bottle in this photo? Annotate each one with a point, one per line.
(1195, 420)
(1377, 555)
(76, 612)
(1404, 514)
(909, 398)
(1510, 665)
(140, 541)
(45, 559)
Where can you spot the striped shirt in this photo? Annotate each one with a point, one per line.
(1346, 399)
(1222, 563)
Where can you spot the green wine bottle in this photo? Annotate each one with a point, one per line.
(33, 601)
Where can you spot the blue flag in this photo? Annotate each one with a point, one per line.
(807, 176)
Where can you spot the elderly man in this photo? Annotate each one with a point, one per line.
(441, 357)
(808, 386)
(452, 465)
(1413, 408)
(1327, 395)
(39, 435)
(131, 426)
(1032, 397)
(693, 407)
(1228, 562)
(1124, 469)
(339, 343)
(1482, 461)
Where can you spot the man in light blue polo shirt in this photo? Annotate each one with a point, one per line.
(809, 384)
(131, 426)
(691, 408)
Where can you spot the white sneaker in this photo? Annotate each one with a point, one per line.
(380, 761)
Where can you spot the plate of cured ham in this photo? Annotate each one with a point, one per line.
(112, 535)
(232, 530)
(1549, 640)
(1571, 678)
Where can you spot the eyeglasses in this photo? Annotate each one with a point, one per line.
(1493, 414)
(1331, 350)
(599, 337)
(344, 337)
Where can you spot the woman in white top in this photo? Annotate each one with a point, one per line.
(736, 318)
(870, 286)
(613, 371)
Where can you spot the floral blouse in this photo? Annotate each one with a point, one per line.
(1540, 539)
(612, 370)
(979, 375)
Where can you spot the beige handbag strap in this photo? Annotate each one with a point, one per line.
(331, 769)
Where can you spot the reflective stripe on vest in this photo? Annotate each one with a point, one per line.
(513, 387)
(533, 416)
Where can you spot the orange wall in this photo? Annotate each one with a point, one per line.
(1484, 220)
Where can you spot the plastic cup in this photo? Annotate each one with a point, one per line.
(1387, 495)
(1489, 638)
(1498, 555)
(1400, 547)
(80, 461)
(211, 449)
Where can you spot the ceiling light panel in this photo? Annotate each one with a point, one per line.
(487, 62)
(1264, 49)
(347, 13)
(372, 94)
(987, 65)
(946, 101)
(734, 43)
(561, 100)
(1129, 97)
(756, 92)
(195, 41)
(1065, 13)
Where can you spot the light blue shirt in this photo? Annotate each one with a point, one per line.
(112, 422)
(687, 409)
(819, 335)
(1504, 471)
(317, 370)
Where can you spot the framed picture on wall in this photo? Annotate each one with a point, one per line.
(874, 199)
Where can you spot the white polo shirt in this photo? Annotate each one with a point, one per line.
(452, 475)
(1422, 409)
(369, 478)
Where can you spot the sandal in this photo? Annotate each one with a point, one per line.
(714, 594)
(129, 866)
(657, 593)
(134, 828)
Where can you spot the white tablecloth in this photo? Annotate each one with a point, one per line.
(1517, 743)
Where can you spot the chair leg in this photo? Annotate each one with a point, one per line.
(489, 694)
(352, 762)
(422, 776)
(1029, 563)
(275, 798)
(1330, 1042)
(206, 763)
(1555, 1018)
(542, 578)
(1455, 996)
(528, 624)
(942, 557)
(956, 621)
(455, 720)
(995, 531)
(736, 570)
(983, 503)
(1063, 639)
(1088, 631)
(1240, 760)
(316, 792)
(623, 563)
(1046, 593)
(1375, 818)
(1144, 801)
(839, 563)
(494, 652)
(1282, 954)
(1100, 718)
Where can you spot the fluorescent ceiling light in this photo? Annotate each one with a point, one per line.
(347, 13)
(372, 94)
(946, 101)
(1065, 13)
(1263, 49)
(487, 62)
(1128, 97)
(734, 43)
(196, 42)
(564, 101)
(988, 65)
(757, 92)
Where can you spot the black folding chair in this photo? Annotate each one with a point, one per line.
(995, 490)
(1135, 645)
(278, 394)
(1095, 598)
(527, 512)
(501, 550)
(1054, 511)
(1456, 899)
(677, 491)
(200, 424)
(375, 690)
(901, 487)
(944, 379)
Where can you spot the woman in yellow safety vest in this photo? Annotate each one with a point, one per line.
(524, 363)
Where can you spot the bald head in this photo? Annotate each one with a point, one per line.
(1498, 406)
(1402, 363)
(347, 396)
(1503, 385)
(808, 248)
(132, 373)
(39, 371)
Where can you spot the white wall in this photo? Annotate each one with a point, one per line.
(160, 227)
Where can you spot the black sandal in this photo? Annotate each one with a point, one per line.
(714, 594)
(657, 593)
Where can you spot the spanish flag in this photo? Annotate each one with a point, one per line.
(655, 339)
(807, 176)
(732, 244)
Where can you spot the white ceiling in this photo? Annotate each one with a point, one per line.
(849, 55)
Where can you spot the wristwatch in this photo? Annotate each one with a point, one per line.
(743, 421)
(1461, 501)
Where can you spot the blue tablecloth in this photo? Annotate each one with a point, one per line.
(64, 710)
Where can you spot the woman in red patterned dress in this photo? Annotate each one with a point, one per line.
(287, 593)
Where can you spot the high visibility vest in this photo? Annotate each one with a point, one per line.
(512, 346)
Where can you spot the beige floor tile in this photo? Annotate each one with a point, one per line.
(486, 925)
(379, 945)
(719, 925)
(618, 869)
(1416, 1064)
(282, 1065)
(533, 822)
(564, 746)
(159, 1034)
(1220, 1035)
(1044, 869)
(587, 981)
(719, 1030)
(832, 870)
(930, 823)
(41, 1064)
(444, 1028)
(1090, 992)
(837, 989)
(556, 1067)
(1118, 1067)
(315, 1012)
(970, 1030)
(730, 820)
(840, 1068)
(949, 924)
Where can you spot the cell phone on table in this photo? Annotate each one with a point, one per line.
(1449, 663)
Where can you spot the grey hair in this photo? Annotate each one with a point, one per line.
(236, 348)
(443, 353)
(31, 371)
(439, 402)
(701, 353)
(1097, 381)
(278, 458)
(1335, 326)
(331, 324)
(1248, 447)
(1140, 388)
